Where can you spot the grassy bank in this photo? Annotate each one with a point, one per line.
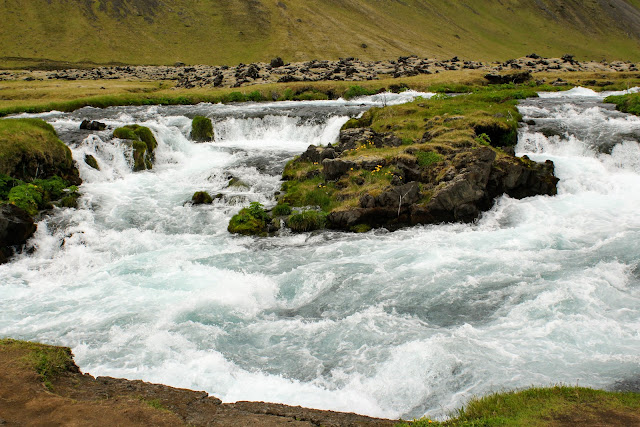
(552, 406)
(626, 103)
(40, 96)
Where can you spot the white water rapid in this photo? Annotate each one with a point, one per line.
(140, 285)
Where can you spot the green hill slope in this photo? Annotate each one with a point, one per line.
(232, 31)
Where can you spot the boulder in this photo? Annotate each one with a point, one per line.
(201, 198)
(30, 149)
(277, 62)
(335, 168)
(499, 79)
(201, 129)
(16, 227)
(92, 125)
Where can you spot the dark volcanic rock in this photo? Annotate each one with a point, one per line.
(519, 77)
(335, 168)
(92, 125)
(16, 227)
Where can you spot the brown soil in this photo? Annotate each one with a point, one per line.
(76, 399)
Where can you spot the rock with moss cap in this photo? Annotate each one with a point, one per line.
(201, 129)
(142, 142)
(30, 149)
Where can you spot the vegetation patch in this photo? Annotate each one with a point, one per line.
(201, 129)
(545, 406)
(626, 103)
(143, 143)
(252, 220)
(37, 195)
(30, 149)
(46, 360)
(307, 221)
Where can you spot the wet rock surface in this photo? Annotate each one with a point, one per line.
(16, 227)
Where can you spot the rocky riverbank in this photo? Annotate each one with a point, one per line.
(41, 385)
(347, 69)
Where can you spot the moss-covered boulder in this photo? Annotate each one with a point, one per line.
(307, 221)
(201, 198)
(91, 161)
(30, 149)
(250, 221)
(201, 129)
(142, 142)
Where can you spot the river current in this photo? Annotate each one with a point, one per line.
(142, 285)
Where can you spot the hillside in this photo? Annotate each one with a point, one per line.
(232, 31)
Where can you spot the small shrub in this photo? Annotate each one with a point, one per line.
(483, 139)
(427, 158)
(255, 96)
(28, 197)
(282, 209)
(307, 221)
(235, 97)
(252, 220)
(6, 184)
(287, 95)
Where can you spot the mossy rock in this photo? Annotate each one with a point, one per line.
(282, 209)
(30, 149)
(91, 161)
(236, 182)
(143, 144)
(251, 221)
(201, 129)
(307, 221)
(201, 198)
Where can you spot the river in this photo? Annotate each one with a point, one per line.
(142, 285)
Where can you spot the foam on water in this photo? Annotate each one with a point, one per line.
(539, 291)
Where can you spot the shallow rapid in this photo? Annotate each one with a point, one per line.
(142, 285)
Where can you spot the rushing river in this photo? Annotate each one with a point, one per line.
(539, 291)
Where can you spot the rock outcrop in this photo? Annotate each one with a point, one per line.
(16, 227)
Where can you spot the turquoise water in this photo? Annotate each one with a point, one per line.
(143, 286)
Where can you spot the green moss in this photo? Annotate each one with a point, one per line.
(250, 221)
(201, 129)
(29, 197)
(91, 161)
(137, 133)
(545, 406)
(6, 184)
(626, 103)
(125, 133)
(361, 228)
(30, 149)
(427, 158)
(356, 91)
(281, 209)
(307, 221)
(201, 197)
(140, 161)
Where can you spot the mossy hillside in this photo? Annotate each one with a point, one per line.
(143, 143)
(201, 129)
(559, 405)
(239, 31)
(626, 103)
(30, 149)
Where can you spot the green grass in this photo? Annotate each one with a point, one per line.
(47, 361)
(545, 406)
(235, 31)
(251, 220)
(626, 103)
